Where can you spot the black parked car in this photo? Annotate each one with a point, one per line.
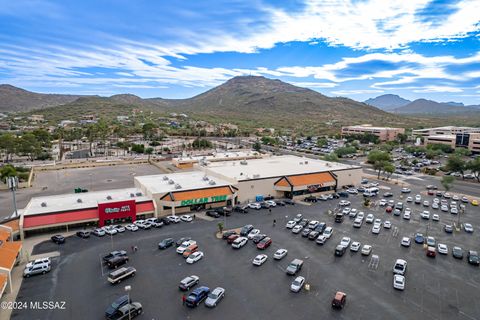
(227, 234)
(335, 196)
(246, 230)
(182, 240)
(289, 201)
(343, 194)
(269, 197)
(165, 221)
(58, 239)
(304, 222)
(112, 310)
(313, 235)
(165, 243)
(321, 227)
(258, 238)
(225, 211)
(306, 232)
(280, 203)
(310, 199)
(212, 213)
(473, 258)
(241, 209)
(83, 234)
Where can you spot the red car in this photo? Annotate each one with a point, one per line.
(389, 209)
(264, 244)
(431, 252)
(232, 238)
(339, 300)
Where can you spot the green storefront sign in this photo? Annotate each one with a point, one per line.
(191, 202)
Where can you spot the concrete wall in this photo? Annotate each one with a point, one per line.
(347, 177)
(248, 190)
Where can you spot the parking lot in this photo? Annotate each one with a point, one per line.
(436, 288)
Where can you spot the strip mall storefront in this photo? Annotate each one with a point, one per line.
(194, 200)
(105, 213)
(306, 184)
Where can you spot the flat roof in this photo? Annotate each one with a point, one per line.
(217, 156)
(69, 201)
(443, 136)
(191, 180)
(275, 166)
(364, 127)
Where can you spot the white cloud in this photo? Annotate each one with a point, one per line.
(314, 84)
(354, 92)
(430, 89)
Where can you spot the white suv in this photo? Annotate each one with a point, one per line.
(39, 262)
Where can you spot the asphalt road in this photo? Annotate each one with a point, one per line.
(436, 288)
(64, 181)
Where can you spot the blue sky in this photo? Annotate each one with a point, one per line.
(177, 49)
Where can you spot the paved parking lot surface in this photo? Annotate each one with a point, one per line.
(436, 288)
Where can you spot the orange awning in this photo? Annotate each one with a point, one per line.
(13, 224)
(195, 194)
(8, 253)
(306, 179)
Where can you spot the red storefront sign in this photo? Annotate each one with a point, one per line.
(116, 210)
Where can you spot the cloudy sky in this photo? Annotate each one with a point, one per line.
(176, 49)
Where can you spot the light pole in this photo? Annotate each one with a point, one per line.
(12, 183)
(127, 290)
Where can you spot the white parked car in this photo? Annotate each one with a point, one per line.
(418, 199)
(425, 214)
(355, 246)
(194, 257)
(370, 218)
(383, 202)
(376, 229)
(352, 191)
(328, 232)
(186, 218)
(353, 213)
(181, 249)
(260, 259)
(173, 219)
(435, 217)
(239, 242)
(406, 190)
(399, 282)
(39, 262)
(444, 208)
(407, 214)
(99, 232)
(435, 205)
(426, 203)
(253, 233)
(345, 242)
(313, 224)
(405, 242)
(297, 229)
(387, 224)
(344, 203)
(361, 215)
(400, 267)
(346, 211)
(119, 228)
(366, 249)
(321, 239)
(297, 284)
(409, 199)
(454, 210)
(131, 227)
(468, 227)
(271, 203)
(255, 205)
(290, 224)
(442, 248)
(280, 254)
(110, 230)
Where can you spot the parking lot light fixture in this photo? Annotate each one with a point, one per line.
(127, 290)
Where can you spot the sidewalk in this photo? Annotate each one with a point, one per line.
(17, 272)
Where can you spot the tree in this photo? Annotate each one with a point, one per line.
(321, 142)
(149, 131)
(149, 151)
(7, 171)
(447, 181)
(343, 151)
(474, 166)
(257, 146)
(389, 169)
(455, 163)
(331, 157)
(28, 145)
(462, 152)
(138, 148)
(380, 161)
(8, 145)
(402, 138)
(220, 227)
(201, 144)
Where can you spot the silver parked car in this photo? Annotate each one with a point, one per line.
(214, 297)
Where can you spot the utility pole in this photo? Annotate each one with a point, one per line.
(12, 183)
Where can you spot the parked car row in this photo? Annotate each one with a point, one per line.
(200, 294)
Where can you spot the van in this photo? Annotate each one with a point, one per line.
(118, 275)
(339, 217)
(190, 249)
(294, 267)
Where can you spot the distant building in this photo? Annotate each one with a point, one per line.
(66, 123)
(383, 133)
(122, 118)
(455, 137)
(36, 118)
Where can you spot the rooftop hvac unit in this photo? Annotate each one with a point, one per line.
(212, 183)
(139, 194)
(244, 162)
(256, 176)
(306, 162)
(301, 163)
(205, 178)
(178, 186)
(165, 178)
(44, 204)
(171, 181)
(79, 200)
(132, 195)
(109, 197)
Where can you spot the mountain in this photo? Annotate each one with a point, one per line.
(387, 102)
(456, 104)
(265, 101)
(429, 107)
(15, 99)
(248, 101)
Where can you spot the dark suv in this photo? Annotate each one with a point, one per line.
(117, 261)
(472, 258)
(246, 230)
(241, 209)
(197, 296)
(165, 243)
(112, 310)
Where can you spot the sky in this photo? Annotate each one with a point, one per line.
(177, 49)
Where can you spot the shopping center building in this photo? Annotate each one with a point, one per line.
(206, 185)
